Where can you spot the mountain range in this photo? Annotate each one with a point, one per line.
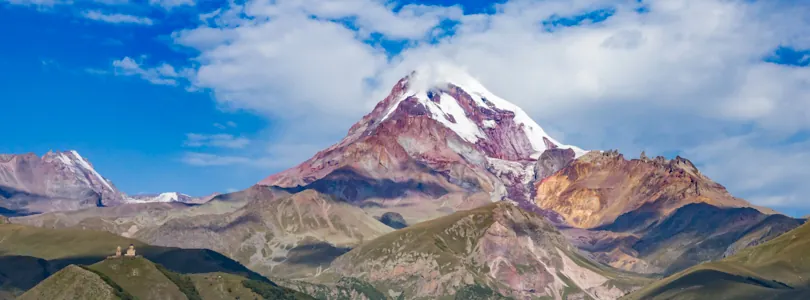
(64, 181)
(443, 191)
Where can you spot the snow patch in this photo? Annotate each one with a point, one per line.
(429, 76)
(64, 159)
(463, 126)
(84, 164)
(163, 197)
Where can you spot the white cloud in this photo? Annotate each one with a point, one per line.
(44, 3)
(205, 159)
(169, 4)
(677, 77)
(116, 18)
(215, 140)
(166, 4)
(762, 166)
(163, 74)
(217, 160)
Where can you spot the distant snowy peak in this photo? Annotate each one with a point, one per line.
(168, 197)
(461, 103)
(162, 197)
(78, 165)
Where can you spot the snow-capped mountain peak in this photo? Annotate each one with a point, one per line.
(77, 164)
(168, 197)
(461, 103)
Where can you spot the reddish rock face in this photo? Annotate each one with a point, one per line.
(597, 188)
(55, 181)
(450, 141)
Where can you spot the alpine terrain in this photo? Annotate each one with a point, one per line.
(443, 191)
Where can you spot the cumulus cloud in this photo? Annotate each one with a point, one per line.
(665, 76)
(116, 18)
(216, 140)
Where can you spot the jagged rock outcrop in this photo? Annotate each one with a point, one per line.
(551, 161)
(597, 188)
(393, 220)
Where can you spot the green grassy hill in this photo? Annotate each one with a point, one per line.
(30, 256)
(778, 269)
(130, 278)
(62, 247)
(71, 283)
(139, 277)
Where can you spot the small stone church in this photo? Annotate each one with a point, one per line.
(130, 251)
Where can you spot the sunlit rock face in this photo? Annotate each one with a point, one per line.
(597, 188)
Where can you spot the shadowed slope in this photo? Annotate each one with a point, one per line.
(62, 247)
(72, 283)
(693, 234)
(778, 269)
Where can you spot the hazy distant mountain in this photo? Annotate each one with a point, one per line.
(169, 197)
(56, 181)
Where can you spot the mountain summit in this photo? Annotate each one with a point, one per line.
(440, 142)
(59, 180)
(461, 103)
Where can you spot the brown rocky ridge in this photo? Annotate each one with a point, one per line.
(499, 247)
(597, 188)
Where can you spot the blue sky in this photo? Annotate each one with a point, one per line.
(198, 97)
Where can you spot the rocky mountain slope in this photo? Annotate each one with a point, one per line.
(778, 269)
(693, 234)
(597, 188)
(64, 181)
(296, 235)
(56, 181)
(440, 142)
(497, 247)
